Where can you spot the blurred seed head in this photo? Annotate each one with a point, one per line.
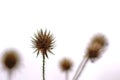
(96, 46)
(43, 42)
(99, 38)
(66, 64)
(10, 60)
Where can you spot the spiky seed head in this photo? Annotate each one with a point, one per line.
(43, 42)
(10, 59)
(96, 46)
(66, 64)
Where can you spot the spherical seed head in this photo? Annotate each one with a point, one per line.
(43, 42)
(10, 60)
(96, 46)
(65, 64)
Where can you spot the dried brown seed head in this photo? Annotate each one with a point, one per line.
(94, 50)
(99, 38)
(10, 59)
(43, 42)
(96, 46)
(65, 64)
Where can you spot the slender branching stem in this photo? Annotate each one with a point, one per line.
(81, 68)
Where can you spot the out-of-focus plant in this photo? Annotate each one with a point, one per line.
(10, 61)
(66, 65)
(94, 51)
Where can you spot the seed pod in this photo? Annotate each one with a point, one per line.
(10, 59)
(96, 46)
(43, 42)
(65, 64)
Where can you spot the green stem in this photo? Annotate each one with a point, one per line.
(43, 67)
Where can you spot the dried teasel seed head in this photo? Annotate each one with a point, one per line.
(66, 64)
(96, 46)
(10, 59)
(94, 50)
(43, 42)
(99, 38)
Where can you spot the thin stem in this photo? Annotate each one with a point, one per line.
(81, 67)
(78, 68)
(9, 75)
(67, 75)
(43, 67)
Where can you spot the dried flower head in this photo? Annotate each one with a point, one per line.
(65, 64)
(96, 46)
(99, 38)
(43, 42)
(10, 59)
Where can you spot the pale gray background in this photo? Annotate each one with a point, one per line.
(73, 23)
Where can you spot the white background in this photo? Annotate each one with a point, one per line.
(73, 23)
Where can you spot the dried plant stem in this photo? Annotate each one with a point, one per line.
(9, 75)
(43, 67)
(67, 75)
(81, 68)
